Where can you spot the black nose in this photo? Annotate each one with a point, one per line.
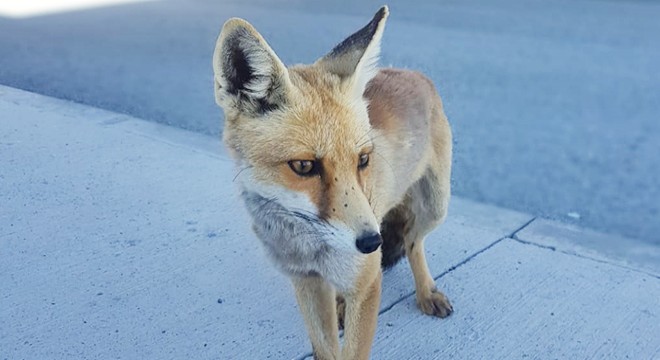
(368, 243)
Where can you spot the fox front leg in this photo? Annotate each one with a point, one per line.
(316, 299)
(361, 313)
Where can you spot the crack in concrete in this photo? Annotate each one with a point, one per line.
(452, 268)
(586, 257)
(514, 237)
(514, 234)
(463, 262)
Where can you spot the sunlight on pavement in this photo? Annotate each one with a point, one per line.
(29, 8)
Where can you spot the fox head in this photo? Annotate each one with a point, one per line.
(301, 136)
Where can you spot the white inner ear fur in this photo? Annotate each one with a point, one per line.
(367, 67)
(266, 67)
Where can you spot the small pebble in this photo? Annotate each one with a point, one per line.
(574, 215)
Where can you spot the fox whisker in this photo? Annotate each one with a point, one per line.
(240, 171)
(362, 137)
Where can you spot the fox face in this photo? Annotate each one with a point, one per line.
(302, 139)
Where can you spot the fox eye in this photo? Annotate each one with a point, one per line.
(304, 167)
(363, 161)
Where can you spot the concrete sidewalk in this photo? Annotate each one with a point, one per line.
(125, 239)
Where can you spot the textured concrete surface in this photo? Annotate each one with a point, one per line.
(121, 238)
(554, 104)
(519, 301)
(598, 246)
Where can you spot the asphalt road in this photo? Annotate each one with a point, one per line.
(554, 104)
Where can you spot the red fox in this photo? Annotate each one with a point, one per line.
(345, 168)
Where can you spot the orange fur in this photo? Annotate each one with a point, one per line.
(334, 112)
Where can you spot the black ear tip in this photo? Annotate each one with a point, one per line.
(381, 13)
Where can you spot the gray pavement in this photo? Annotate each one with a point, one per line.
(121, 238)
(554, 104)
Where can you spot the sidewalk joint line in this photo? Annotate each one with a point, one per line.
(586, 257)
(514, 234)
(452, 268)
(526, 242)
(468, 259)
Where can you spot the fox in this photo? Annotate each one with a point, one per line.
(344, 168)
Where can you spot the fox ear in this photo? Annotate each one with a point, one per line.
(355, 59)
(249, 77)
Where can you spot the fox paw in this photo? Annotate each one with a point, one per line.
(435, 303)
